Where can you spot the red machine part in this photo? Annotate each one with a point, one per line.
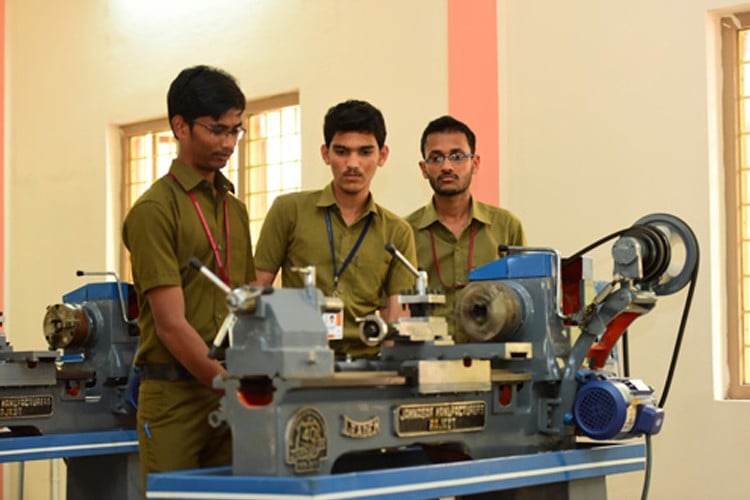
(600, 350)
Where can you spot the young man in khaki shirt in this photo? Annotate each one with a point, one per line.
(341, 231)
(454, 232)
(190, 212)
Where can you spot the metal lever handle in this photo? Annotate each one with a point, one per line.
(129, 321)
(197, 264)
(421, 285)
(240, 299)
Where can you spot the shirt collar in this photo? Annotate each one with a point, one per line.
(480, 213)
(327, 199)
(189, 179)
(476, 212)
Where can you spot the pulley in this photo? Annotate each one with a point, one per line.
(673, 253)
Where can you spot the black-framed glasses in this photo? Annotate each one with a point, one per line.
(222, 131)
(454, 158)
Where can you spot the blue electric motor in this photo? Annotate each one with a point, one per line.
(607, 407)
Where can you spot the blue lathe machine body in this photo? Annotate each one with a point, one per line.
(533, 378)
(81, 383)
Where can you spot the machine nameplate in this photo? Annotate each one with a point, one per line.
(38, 405)
(356, 429)
(459, 416)
(306, 440)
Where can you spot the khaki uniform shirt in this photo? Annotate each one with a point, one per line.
(163, 231)
(493, 227)
(294, 234)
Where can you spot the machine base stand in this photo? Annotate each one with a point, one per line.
(114, 477)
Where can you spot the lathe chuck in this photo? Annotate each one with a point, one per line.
(66, 325)
(488, 311)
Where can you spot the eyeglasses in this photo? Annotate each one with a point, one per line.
(222, 131)
(454, 158)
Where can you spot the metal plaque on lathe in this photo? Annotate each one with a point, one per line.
(421, 419)
(41, 405)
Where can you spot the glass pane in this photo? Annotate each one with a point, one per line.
(746, 329)
(257, 179)
(166, 144)
(273, 150)
(273, 181)
(162, 165)
(273, 123)
(289, 120)
(142, 170)
(745, 222)
(291, 148)
(140, 146)
(746, 366)
(744, 45)
(257, 126)
(745, 115)
(744, 150)
(257, 206)
(745, 258)
(744, 75)
(746, 293)
(291, 177)
(136, 190)
(744, 185)
(257, 152)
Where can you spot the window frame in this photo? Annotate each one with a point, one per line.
(730, 28)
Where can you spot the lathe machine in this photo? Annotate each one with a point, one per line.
(536, 375)
(82, 382)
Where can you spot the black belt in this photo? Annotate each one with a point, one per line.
(169, 372)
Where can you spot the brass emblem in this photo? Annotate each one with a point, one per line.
(439, 418)
(306, 440)
(360, 430)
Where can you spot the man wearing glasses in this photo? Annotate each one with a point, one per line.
(455, 233)
(189, 212)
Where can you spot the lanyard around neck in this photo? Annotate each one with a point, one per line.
(222, 266)
(329, 229)
(435, 260)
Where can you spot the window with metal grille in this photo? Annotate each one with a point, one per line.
(736, 134)
(267, 161)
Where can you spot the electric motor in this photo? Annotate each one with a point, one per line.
(607, 407)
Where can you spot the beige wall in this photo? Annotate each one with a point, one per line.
(608, 112)
(75, 69)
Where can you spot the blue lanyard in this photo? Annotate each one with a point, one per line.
(329, 228)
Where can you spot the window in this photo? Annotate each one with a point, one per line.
(272, 163)
(267, 163)
(736, 117)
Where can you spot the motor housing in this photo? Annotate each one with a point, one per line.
(607, 407)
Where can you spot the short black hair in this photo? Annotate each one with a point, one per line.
(447, 123)
(354, 116)
(203, 91)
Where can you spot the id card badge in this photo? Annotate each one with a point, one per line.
(334, 325)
